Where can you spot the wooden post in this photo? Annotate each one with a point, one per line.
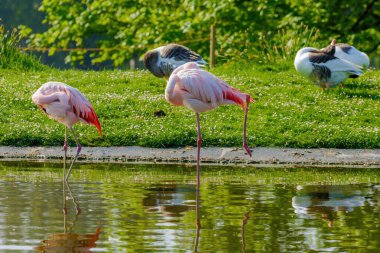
(212, 46)
(133, 62)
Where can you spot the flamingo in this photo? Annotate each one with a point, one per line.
(323, 68)
(68, 106)
(163, 60)
(201, 91)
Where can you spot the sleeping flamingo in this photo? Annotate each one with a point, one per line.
(200, 91)
(68, 106)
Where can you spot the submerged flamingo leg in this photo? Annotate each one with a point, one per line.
(77, 209)
(65, 146)
(245, 145)
(245, 220)
(79, 147)
(64, 171)
(198, 221)
(199, 143)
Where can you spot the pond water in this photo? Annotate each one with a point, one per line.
(152, 208)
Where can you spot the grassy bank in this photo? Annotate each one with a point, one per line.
(289, 111)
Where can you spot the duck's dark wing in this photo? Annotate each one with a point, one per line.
(321, 56)
(320, 72)
(179, 53)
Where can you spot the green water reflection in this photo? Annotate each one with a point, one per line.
(151, 208)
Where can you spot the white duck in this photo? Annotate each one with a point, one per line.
(163, 60)
(349, 53)
(323, 68)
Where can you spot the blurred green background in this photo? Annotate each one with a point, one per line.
(260, 30)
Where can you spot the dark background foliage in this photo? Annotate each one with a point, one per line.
(245, 30)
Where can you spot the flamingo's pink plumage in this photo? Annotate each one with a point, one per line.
(65, 104)
(68, 106)
(201, 91)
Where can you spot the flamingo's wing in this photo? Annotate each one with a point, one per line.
(208, 88)
(83, 108)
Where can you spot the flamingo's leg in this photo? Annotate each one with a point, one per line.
(199, 143)
(79, 147)
(198, 222)
(245, 145)
(64, 171)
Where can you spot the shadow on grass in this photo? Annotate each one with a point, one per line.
(360, 85)
(358, 90)
(358, 94)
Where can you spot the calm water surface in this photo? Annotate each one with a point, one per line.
(153, 209)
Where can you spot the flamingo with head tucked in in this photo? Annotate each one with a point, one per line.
(68, 106)
(201, 91)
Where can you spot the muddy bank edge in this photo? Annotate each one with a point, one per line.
(210, 155)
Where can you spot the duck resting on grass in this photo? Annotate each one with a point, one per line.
(349, 53)
(163, 60)
(323, 68)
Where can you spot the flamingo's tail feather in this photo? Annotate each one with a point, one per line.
(95, 121)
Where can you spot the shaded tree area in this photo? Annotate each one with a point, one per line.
(20, 12)
(258, 30)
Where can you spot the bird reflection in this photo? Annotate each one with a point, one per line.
(324, 201)
(67, 194)
(68, 241)
(245, 220)
(197, 219)
(170, 199)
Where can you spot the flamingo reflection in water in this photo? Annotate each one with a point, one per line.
(243, 224)
(68, 242)
(198, 219)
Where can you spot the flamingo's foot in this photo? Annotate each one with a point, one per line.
(77, 210)
(65, 146)
(79, 148)
(247, 149)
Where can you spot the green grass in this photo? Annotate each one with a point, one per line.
(10, 55)
(289, 110)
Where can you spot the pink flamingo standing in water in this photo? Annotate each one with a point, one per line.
(200, 91)
(68, 106)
